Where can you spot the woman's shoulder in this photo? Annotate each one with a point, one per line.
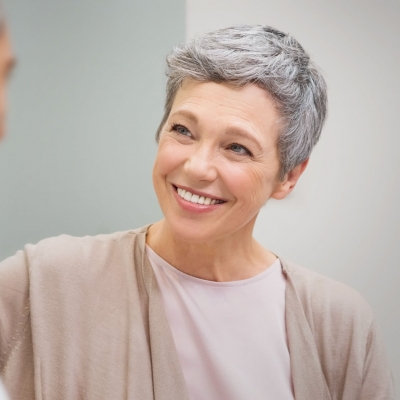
(76, 250)
(338, 323)
(65, 254)
(68, 268)
(80, 285)
(324, 297)
(64, 244)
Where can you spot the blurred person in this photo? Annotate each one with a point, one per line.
(6, 64)
(192, 306)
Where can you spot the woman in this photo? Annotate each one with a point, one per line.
(192, 306)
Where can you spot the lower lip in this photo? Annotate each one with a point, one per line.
(194, 207)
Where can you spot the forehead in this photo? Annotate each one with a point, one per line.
(223, 102)
(224, 94)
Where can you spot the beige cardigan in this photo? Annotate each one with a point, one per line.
(82, 318)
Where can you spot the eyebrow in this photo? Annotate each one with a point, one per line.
(233, 130)
(187, 114)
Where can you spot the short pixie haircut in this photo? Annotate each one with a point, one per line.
(271, 59)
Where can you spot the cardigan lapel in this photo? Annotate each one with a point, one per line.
(307, 375)
(168, 379)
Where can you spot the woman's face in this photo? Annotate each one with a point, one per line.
(217, 162)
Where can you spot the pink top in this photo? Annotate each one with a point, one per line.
(230, 336)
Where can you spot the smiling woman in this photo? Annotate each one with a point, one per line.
(192, 306)
(219, 143)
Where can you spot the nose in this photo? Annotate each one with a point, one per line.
(201, 164)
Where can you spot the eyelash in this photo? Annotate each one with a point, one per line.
(244, 148)
(175, 127)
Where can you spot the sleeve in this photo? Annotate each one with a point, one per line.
(14, 304)
(377, 381)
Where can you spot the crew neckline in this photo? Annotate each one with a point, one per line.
(159, 261)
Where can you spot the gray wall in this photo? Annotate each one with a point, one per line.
(343, 218)
(85, 102)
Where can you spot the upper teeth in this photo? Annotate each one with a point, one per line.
(195, 198)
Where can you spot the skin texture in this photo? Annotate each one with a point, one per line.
(219, 141)
(7, 63)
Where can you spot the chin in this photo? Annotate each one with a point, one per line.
(192, 231)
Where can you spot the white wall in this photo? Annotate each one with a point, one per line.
(343, 218)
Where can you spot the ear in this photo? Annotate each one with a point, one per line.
(289, 182)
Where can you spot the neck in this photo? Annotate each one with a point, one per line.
(232, 258)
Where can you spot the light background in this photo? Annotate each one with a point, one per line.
(87, 97)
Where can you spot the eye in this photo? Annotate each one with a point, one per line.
(182, 130)
(239, 149)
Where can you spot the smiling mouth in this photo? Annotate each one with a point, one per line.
(196, 199)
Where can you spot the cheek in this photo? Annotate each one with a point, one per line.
(254, 183)
(170, 156)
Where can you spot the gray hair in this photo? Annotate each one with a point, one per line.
(271, 59)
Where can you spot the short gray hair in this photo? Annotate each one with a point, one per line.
(271, 59)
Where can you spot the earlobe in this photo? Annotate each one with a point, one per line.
(289, 182)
